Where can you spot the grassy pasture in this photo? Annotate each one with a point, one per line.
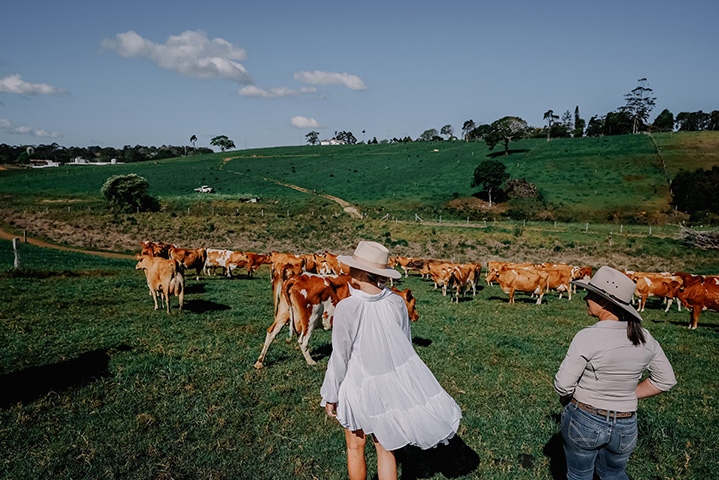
(597, 176)
(113, 389)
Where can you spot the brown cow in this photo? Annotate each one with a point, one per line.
(279, 274)
(155, 249)
(164, 276)
(189, 258)
(496, 267)
(697, 294)
(256, 260)
(309, 301)
(401, 261)
(225, 259)
(658, 285)
(524, 280)
(559, 277)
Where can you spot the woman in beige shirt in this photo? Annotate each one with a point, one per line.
(598, 381)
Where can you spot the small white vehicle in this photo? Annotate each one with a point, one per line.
(205, 189)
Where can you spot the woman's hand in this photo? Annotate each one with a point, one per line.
(331, 409)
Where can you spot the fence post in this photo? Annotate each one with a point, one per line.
(485, 223)
(586, 228)
(467, 220)
(555, 224)
(24, 236)
(16, 250)
(621, 228)
(650, 230)
(188, 210)
(440, 219)
(262, 212)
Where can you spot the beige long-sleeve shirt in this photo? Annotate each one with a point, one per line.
(602, 367)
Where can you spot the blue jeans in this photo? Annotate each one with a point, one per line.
(591, 440)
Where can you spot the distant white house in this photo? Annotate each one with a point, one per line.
(82, 161)
(37, 163)
(332, 141)
(205, 189)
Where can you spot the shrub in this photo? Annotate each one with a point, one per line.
(129, 193)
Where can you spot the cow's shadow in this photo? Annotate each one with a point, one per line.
(421, 342)
(202, 306)
(456, 459)
(321, 351)
(194, 287)
(31, 383)
(509, 152)
(517, 299)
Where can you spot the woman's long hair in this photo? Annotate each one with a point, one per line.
(635, 332)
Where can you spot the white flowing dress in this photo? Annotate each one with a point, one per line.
(379, 382)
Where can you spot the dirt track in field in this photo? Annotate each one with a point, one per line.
(39, 243)
(346, 206)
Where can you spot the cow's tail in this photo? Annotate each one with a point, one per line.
(285, 298)
(177, 286)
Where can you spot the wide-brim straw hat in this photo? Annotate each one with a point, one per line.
(613, 285)
(370, 257)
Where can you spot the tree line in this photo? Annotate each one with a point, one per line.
(630, 118)
(128, 154)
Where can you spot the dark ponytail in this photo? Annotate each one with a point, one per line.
(635, 332)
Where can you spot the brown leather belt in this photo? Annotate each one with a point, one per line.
(602, 413)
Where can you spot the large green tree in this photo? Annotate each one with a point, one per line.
(313, 137)
(447, 130)
(222, 142)
(128, 193)
(467, 127)
(664, 121)
(428, 135)
(505, 130)
(640, 103)
(550, 117)
(490, 175)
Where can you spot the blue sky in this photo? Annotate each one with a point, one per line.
(83, 73)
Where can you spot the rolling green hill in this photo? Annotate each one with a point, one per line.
(600, 177)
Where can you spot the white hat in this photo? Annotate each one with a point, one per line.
(370, 257)
(612, 285)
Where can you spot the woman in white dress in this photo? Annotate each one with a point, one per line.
(375, 381)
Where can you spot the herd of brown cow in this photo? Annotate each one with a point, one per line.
(306, 288)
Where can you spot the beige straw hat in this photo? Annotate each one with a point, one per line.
(370, 257)
(613, 285)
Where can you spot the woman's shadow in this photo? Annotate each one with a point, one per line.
(554, 450)
(453, 460)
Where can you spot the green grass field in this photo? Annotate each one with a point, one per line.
(95, 384)
(112, 389)
(596, 177)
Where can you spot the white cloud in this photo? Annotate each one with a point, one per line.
(309, 90)
(353, 82)
(191, 54)
(304, 122)
(7, 126)
(15, 84)
(252, 91)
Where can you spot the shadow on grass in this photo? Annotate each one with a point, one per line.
(194, 288)
(202, 306)
(454, 460)
(32, 383)
(554, 450)
(320, 352)
(421, 342)
(509, 152)
(517, 299)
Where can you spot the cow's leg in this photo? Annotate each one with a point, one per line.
(696, 311)
(539, 299)
(669, 303)
(511, 295)
(569, 292)
(153, 294)
(643, 302)
(271, 334)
